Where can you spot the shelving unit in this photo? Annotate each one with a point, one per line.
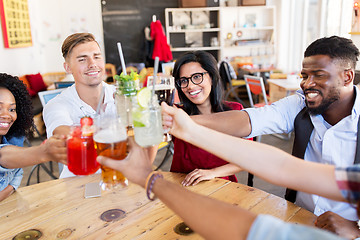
(189, 29)
(248, 32)
(224, 31)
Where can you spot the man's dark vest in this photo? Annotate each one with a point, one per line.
(303, 128)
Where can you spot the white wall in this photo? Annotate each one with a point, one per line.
(51, 22)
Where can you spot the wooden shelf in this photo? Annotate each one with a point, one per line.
(192, 9)
(195, 30)
(181, 49)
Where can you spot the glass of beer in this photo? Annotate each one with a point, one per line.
(164, 89)
(110, 140)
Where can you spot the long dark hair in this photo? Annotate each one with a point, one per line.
(209, 64)
(24, 122)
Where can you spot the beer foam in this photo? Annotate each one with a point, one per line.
(110, 136)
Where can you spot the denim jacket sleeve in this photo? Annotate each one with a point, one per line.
(14, 176)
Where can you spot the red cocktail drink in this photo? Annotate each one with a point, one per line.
(81, 153)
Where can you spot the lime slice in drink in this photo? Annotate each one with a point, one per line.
(143, 97)
(138, 124)
(139, 119)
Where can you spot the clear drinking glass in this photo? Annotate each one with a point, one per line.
(110, 140)
(148, 129)
(125, 94)
(164, 89)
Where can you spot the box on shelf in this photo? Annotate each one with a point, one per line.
(252, 2)
(198, 3)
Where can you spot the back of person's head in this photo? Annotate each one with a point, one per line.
(24, 122)
(209, 64)
(337, 48)
(75, 39)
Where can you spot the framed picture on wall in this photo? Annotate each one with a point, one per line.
(15, 23)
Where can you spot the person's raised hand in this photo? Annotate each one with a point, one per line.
(196, 176)
(136, 166)
(175, 119)
(338, 225)
(55, 149)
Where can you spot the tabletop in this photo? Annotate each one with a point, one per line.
(57, 209)
(284, 83)
(280, 88)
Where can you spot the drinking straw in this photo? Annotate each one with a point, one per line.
(156, 65)
(121, 58)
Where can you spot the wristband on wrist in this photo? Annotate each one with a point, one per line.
(150, 180)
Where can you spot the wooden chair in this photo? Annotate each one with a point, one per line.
(51, 77)
(110, 71)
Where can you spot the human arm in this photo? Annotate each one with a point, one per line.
(152, 151)
(267, 162)
(233, 120)
(6, 192)
(190, 206)
(198, 175)
(54, 149)
(61, 130)
(334, 223)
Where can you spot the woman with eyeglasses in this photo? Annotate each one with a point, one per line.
(200, 90)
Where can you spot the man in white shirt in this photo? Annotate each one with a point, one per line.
(84, 61)
(333, 103)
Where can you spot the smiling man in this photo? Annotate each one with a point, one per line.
(83, 59)
(326, 112)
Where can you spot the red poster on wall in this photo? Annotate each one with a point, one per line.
(15, 23)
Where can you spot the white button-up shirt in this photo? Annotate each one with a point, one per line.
(335, 145)
(67, 109)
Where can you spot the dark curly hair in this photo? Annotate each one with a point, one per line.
(335, 47)
(209, 64)
(23, 125)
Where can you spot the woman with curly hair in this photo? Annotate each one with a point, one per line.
(16, 122)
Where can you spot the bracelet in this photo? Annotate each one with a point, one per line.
(150, 183)
(147, 179)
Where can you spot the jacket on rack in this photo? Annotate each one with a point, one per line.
(161, 47)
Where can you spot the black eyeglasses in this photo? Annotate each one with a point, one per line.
(195, 78)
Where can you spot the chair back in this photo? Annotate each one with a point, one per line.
(46, 96)
(110, 70)
(224, 71)
(63, 84)
(255, 86)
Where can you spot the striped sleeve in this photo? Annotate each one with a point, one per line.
(348, 181)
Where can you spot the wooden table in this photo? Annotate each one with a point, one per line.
(280, 88)
(59, 210)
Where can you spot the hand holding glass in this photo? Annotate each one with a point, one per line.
(164, 89)
(111, 141)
